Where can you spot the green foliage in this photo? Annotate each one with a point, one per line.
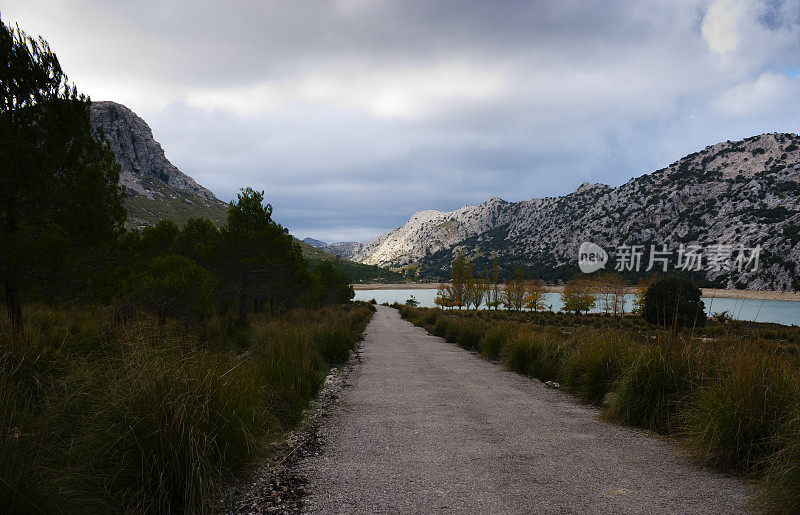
(594, 363)
(173, 286)
(58, 181)
(100, 415)
(673, 303)
(335, 286)
(260, 264)
(111, 408)
(779, 492)
(655, 386)
(734, 420)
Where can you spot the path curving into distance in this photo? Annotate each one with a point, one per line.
(427, 426)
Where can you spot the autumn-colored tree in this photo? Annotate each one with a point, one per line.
(579, 295)
(534, 294)
(458, 280)
(611, 293)
(514, 291)
(494, 291)
(469, 284)
(479, 289)
(444, 296)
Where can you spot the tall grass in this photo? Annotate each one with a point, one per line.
(99, 413)
(732, 394)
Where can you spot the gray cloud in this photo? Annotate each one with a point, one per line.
(353, 114)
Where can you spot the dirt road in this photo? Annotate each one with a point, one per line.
(427, 426)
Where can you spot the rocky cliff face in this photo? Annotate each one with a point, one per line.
(743, 193)
(156, 188)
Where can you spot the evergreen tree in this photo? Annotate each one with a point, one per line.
(260, 263)
(674, 302)
(335, 286)
(60, 201)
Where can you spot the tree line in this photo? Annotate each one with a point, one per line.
(581, 294)
(62, 218)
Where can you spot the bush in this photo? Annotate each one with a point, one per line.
(734, 422)
(594, 363)
(534, 353)
(674, 303)
(493, 339)
(655, 385)
(780, 490)
(101, 416)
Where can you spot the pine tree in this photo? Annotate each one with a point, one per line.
(260, 263)
(60, 201)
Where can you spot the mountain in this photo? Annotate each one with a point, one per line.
(314, 243)
(743, 193)
(356, 272)
(156, 188)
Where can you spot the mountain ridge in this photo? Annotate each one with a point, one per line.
(743, 192)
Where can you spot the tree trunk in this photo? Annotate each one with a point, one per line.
(13, 303)
(14, 307)
(242, 308)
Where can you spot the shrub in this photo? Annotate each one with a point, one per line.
(469, 333)
(673, 303)
(733, 423)
(780, 490)
(594, 363)
(535, 353)
(518, 353)
(655, 385)
(493, 339)
(142, 417)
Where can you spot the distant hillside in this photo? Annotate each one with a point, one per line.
(314, 243)
(356, 272)
(156, 188)
(739, 193)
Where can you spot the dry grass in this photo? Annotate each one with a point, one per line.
(100, 414)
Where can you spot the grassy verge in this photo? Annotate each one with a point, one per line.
(732, 395)
(102, 413)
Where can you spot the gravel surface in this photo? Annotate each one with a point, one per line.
(278, 485)
(428, 427)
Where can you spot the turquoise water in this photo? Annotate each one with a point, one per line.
(777, 311)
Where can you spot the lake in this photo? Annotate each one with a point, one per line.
(776, 311)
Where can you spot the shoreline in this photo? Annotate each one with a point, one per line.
(711, 293)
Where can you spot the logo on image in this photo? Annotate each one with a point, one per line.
(591, 257)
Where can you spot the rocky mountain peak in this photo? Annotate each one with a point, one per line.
(138, 153)
(156, 188)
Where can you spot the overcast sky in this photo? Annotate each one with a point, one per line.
(354, 114)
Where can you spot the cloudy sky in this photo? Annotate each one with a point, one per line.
(354, 114)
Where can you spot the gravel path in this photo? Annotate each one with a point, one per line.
(427, 426)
